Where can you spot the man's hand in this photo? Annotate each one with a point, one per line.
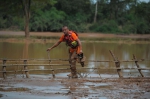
(56, 44)
(48, 49)
(80, 52)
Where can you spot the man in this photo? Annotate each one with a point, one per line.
(75, 49)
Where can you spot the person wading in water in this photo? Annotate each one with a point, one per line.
(75, 49)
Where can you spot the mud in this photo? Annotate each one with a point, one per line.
(80, 88)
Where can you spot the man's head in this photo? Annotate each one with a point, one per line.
(65, 30)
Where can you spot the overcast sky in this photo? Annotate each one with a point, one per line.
(145, 0)
(139, 0)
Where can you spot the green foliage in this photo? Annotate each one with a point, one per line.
(3, 23)
(116, 16)
(72, 7)
(143, 14)
(128, 28)
(12, 22)
(76, 22)
(18, 22)
(105, 27)
(143, 27)
(48, 20)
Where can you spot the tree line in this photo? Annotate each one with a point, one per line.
(105, 16)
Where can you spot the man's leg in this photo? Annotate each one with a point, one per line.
(72, 61)
(81, 59)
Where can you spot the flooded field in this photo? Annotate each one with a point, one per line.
(92, 50)
(94, 83)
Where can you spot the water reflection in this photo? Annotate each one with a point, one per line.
(25, 49)
(92, 51)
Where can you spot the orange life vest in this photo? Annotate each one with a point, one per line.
(69, 39)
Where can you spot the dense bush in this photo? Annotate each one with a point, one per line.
(48, 20)
(105, 27)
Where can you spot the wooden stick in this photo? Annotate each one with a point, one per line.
(26, 69)
(35, 65)
(117, 63)
(4, 69)
(68, 60)
(77, 68)
(136, 62)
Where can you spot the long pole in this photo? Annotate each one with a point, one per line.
(53, 73)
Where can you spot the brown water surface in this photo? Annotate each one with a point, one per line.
(92, 51)
(41, 85)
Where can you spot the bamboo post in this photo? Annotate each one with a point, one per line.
(26, 69)
(136, 62)
(117, 63)
(4, 69)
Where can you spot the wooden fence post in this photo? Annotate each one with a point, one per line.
(136, 62)
(4, 69)
(26, 69)
(117, 63)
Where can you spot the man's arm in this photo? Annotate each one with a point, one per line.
(55, 45)
(80, 46)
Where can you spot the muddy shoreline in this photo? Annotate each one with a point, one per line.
(48, 37)
(87, 88)
(90, 35)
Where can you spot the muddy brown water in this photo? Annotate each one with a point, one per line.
(92, 51)
(99, 84)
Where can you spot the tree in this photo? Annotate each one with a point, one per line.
(26, 6)
(47, 19)
(111, 16)
(95, 16)
(14, 8)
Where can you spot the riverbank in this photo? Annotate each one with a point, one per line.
(43, 37)
(87, 35)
